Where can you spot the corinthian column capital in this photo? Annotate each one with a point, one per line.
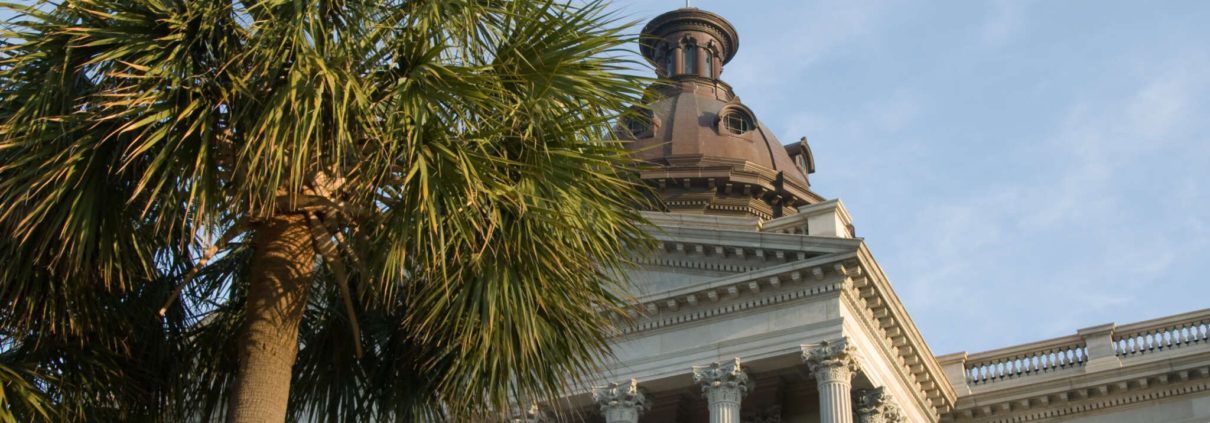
(621, 403)
(877, 406)
(831, 360)
(726, 376)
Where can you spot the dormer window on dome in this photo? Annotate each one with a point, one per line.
(737, 122)
(637, 122)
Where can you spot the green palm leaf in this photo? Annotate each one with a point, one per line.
(429, 183)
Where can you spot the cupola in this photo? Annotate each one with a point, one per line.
(689, 42)
(712, 154)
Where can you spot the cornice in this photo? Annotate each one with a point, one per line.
(884, 314)
(766, 242)
(742, 178)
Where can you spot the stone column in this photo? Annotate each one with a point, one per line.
(877, 406)
(724, 385)
(621, 403)
(679, 59)
(833, 364)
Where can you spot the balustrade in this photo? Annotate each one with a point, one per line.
(1025, 360)
(1094, 349)
(1162, 334)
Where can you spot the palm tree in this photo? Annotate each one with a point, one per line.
(342, 210)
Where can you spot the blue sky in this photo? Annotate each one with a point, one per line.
(1020, 169)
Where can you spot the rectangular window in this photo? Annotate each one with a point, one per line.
(690, 60)
(709, 64)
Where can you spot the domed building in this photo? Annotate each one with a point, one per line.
(761, 305)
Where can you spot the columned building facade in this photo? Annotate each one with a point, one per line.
(761, 305)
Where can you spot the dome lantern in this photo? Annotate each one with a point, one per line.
(689, 41)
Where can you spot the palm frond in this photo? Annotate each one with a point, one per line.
(454, 157)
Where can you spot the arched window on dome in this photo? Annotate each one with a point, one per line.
(670, 62)
(690, 59)
(709, 71)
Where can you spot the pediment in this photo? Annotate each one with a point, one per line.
(687, 257)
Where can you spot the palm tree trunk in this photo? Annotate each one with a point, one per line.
(283, 267)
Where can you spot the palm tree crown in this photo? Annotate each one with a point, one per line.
(416, 198)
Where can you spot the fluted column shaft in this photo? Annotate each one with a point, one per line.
(833, 363)
(724, 386)
(724, 404)
(835, 402)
